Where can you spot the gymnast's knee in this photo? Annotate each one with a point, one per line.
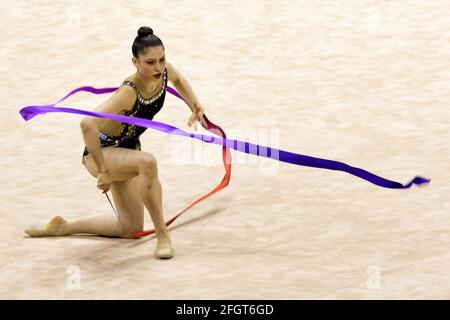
(127, 232)
(148, 166)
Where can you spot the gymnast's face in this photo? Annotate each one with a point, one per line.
(151, 63)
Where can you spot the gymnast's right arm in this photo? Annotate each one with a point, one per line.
(122, 99)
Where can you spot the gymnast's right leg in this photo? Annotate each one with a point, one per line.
(130, 218)
(123, 165)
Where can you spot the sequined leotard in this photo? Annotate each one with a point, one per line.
(129, 134)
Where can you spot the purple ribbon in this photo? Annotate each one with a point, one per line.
(29, 112)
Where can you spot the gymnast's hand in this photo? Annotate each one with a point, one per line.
(103, 180)
(197, 115)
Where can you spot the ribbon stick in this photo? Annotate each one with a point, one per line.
(29, 112)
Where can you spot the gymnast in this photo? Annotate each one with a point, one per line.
(113, 155)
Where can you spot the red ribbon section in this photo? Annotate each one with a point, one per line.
(226, 157)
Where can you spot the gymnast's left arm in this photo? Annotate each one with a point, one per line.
(185, 89)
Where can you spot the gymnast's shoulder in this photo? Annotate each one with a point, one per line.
(172, 73)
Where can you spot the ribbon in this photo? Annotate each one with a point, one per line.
(29, 112)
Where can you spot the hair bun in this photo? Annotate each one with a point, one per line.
(144, 31)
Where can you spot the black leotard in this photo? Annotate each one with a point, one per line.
(129, 133)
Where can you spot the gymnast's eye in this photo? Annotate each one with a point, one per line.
(152, 62)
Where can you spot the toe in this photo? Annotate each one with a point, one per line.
(32, 231)
(164, 251)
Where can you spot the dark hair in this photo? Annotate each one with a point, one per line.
(145, 39)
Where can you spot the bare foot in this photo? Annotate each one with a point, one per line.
(164, 248)
(53, 228)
